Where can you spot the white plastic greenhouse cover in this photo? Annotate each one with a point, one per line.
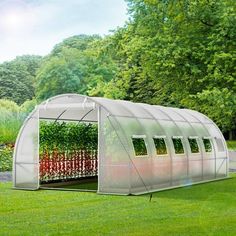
(120, 171)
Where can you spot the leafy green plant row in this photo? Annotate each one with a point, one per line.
(64, 137)
(6, 154)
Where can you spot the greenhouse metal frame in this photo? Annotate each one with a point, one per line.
(177, 147)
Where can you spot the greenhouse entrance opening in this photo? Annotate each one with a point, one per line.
(68, 151)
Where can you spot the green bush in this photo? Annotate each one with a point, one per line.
(11, 118)
(6, 154)
(231, 145)
(28, 106)
(10, 121)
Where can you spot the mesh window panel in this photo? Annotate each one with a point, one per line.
(160, 146)
(139, 146)
(193, 145)
(178, 145)
(207, 145)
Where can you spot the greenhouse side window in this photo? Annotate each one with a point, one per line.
(193, 144)
(139, 145)
(160, 145)
(178, 145)
(207, 144)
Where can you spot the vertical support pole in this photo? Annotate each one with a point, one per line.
(214, 147)
(99, 145)
(37, 148)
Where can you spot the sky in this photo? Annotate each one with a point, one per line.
(35, 26)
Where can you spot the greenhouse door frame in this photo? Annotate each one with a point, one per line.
(98, 121)
(80, 106)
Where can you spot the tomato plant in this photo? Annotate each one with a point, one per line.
(67, 150)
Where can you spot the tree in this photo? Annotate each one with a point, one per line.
(216, 102)
(176, 53)
(77, 65)
(32, 63)
(80, 42)
(17, 78)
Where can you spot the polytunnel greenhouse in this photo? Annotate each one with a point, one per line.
(118, 147)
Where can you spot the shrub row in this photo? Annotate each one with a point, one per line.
(6, 153)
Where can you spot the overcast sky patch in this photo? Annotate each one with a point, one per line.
(35, 26)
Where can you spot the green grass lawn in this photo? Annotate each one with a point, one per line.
(231, 145)
(207, 209)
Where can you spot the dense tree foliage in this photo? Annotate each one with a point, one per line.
(17, 78)
(77, 65)
(179, 53)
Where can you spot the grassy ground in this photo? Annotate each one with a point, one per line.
(207, 209)
(231, 145)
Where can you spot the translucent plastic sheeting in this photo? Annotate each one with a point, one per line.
(114, 161)
(26, 162)
(185, 115)
(67, 114)
(116, 109)
(156, 113)
(66, 99)
(171, 113)
(142, 172)
(200, 117)
(136, 110)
